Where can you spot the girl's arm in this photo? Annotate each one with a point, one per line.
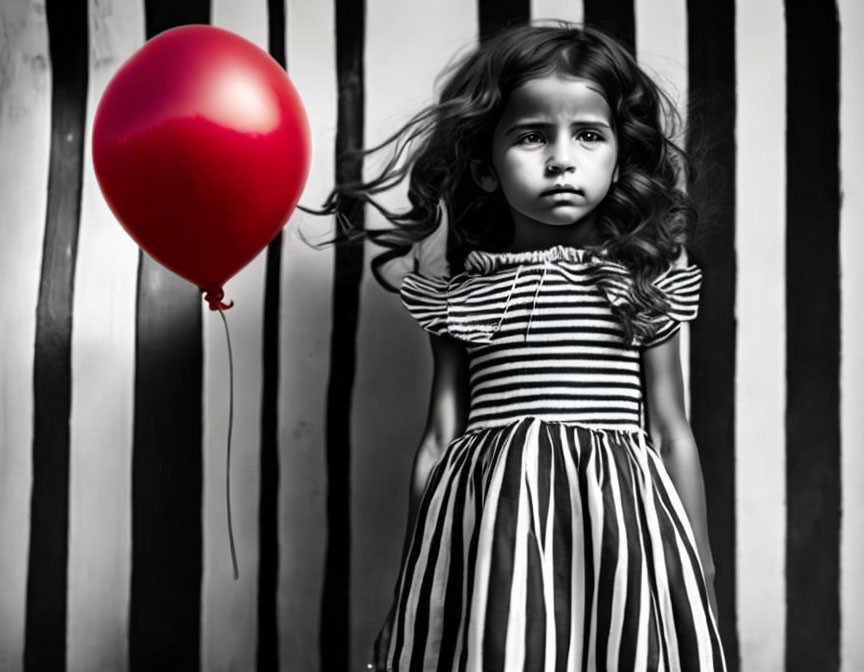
(446, 418)
(672, 436)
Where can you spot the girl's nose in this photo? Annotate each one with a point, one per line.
(556, 167)
(560, 161)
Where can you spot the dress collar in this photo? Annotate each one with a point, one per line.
(479, 261)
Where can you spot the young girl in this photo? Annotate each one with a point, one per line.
(557, 513)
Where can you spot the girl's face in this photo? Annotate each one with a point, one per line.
(554, 152)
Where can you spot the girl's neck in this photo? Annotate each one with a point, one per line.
(534, 236)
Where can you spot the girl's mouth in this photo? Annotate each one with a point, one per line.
(562, 189)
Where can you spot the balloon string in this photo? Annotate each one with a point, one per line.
(228, 449)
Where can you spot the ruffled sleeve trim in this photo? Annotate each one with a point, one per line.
(681, 285)
(465, 307)
(426, 300)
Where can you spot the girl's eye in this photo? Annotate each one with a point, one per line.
(589, 136)
(532, 138)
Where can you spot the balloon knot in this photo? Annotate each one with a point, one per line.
(214, 298)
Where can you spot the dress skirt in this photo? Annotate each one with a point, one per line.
(552, 547)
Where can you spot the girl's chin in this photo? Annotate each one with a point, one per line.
(556, 218)
(564, 219)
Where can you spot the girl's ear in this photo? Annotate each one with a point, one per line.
(615, 175)
(484, 176)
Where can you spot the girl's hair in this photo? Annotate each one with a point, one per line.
(642, 223)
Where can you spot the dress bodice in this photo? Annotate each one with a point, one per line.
(542, 338)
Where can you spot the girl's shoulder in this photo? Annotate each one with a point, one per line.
(681, 276)
(467, 305)
(451, 305)
(680, 283)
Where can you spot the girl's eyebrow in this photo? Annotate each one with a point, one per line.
(528, 125)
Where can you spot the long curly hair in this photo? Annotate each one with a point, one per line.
(644, 221)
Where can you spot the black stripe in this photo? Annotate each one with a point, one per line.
(616, 17)
(424, 596)
(536, 623)
(268, 506)
(494, 15)
(582, 437)
(562, 551)
(45, 628)
(684, 623)
(477, 486)
(711, 49)
(498, 606)
(609, 560)
(691, 553)
(503, 386)
(812, 337)
(551, 354)
(350, 17)
(167, 470)
(656, 642)
(453, 621)
(410, 560)
(506, 405)
(628, 477)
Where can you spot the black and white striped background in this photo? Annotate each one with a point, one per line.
(113, 378)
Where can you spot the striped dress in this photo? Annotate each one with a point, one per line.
(550, 537)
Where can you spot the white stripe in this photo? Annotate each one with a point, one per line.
(549, 560)
(103, 377)
(424, 557)
(563, 349)
(565, 10)
(564, 327)
(522, 407)
(25, 134)
(435, 613)
(579, 378)
(578, 576)
(469, 521)
(641, 656)
(229, 608)
(544, 545)
(554, 337)
(703, 641)
(596, 514)
(699, 616)
(495, 297)
(401, 63)
(674, 511)
(303, 352)
(569, 309)
(619, 590)
(507, 402)
(665, 613)
(760, 469)
(852, 312)
(570, 418)
(514, 645)
(661, 45)
(480, 593)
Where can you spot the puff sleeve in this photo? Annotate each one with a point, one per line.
(426, 301)
(681, 285)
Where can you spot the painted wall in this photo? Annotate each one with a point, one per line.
(112, 524)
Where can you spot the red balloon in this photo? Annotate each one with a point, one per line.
(201, 149)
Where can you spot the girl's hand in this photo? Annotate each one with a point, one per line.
(382, 643)
(712, 596)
